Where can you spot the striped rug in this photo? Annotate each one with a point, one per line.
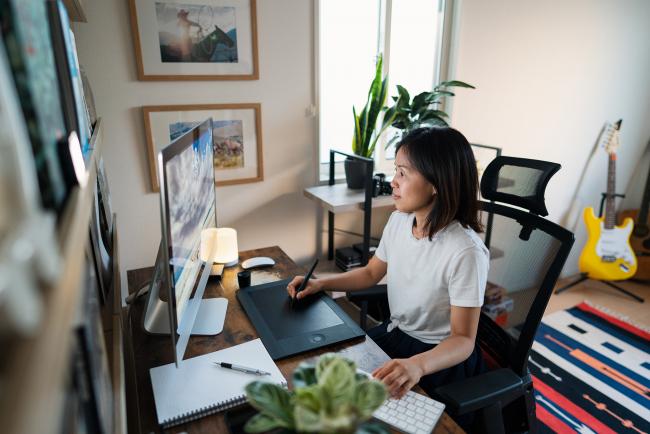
(591, 372)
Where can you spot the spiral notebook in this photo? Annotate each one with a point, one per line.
(198, 387)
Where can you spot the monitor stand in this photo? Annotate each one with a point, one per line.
(204, 316)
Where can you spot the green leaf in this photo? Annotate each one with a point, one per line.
(272, 400)
(323, 362)
(455, 83)
(363, 122)
(344, 418)
(307, 420)
(400, 124)
(432, 114)
(304, 375)
(369, 396)
(261, 422)
(337, 380)
(420, 101)
(404, 94)
(435, 122)
(356, 138)
(310, 397)
(439, 94)
(327, 358)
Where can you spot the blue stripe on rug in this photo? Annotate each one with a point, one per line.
(595, 397)
(609, 328)
(575, 391)
(563, 352)
(588, 350)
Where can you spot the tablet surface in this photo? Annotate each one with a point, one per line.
(311, 323)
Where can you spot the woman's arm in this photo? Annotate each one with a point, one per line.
(354, 280)
(400, 375)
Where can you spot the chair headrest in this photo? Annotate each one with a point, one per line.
(518, 181)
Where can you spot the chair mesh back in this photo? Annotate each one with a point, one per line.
(527, 269)
(518, 181)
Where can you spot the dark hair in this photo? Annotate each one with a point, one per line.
(444, 157)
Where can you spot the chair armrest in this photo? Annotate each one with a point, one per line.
(373, 293)
(477, 392)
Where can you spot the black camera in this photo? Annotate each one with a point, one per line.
(380, 186)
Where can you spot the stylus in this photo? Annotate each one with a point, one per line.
(242, 368)
(303, 285)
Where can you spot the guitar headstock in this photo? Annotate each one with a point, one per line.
(609, 138)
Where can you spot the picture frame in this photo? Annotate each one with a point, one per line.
(237, 137)
(195, 39)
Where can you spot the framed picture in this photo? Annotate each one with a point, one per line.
(195, 39)
(236, 136)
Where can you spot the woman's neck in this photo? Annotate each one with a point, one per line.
(419, 223)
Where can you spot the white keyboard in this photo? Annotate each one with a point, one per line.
(412, 414)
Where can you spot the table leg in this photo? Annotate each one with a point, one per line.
(330, 235)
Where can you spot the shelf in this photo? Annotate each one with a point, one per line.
(76, 10)
(36, 367)
(339, 198)
(117, 363)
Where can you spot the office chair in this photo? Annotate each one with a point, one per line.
(527, 255)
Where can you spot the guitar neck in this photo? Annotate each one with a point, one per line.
(610, 204)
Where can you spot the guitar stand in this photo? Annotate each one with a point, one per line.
(583, 276)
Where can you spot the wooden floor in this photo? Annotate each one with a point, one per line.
(601, 294)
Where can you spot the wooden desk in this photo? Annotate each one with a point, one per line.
(150, 351)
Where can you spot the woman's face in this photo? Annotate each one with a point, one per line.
(411, 191)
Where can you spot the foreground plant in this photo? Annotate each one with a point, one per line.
(329, 397)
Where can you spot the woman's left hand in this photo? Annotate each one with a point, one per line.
(399, 375)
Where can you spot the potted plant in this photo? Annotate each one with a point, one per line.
(423, 111)
(365, 136)
(329, 397)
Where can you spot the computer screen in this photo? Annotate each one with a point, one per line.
(188, 195)
(187, 207)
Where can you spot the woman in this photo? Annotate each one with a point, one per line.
(435, 263)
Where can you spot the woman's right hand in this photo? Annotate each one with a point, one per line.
(313, 286)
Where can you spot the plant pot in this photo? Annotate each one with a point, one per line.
(355, 173)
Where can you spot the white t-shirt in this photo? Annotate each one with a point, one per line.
(426, 277)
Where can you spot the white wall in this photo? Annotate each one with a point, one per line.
(272, 212)
(548, 75)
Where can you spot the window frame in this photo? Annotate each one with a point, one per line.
(441, 72)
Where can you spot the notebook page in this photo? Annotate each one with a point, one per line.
(200, 384)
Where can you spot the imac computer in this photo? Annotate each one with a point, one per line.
(187, 208)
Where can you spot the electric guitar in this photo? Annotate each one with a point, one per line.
(640, 239)
(608, 254)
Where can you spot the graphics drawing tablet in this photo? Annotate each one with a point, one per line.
(313, 322)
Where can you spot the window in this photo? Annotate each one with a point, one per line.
(350, 36)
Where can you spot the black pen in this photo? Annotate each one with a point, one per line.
(303, 285)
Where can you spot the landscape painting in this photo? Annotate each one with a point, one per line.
(227, 141)
(237, 156)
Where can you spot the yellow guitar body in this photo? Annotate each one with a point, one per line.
(607, 254)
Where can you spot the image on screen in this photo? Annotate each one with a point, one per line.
(190, 192)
